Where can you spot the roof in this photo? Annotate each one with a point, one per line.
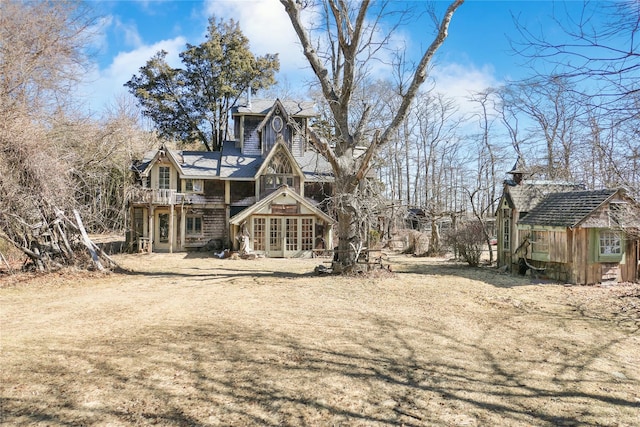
(235, 165)
(230, 163)
(525, 196)
(262, 107)
(567, 209)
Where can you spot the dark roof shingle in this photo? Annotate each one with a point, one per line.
(566, 209)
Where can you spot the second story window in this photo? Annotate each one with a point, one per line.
(279, 172)
(193, 185)
(164, 178)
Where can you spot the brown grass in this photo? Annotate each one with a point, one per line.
(193, 340)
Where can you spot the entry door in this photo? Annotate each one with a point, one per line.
(161, 233)
(276, 237)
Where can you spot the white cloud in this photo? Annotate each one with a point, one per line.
(130, 32)
(106, 84)
(460, 81)
(268, 28)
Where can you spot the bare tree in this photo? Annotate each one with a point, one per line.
(351, 44)
(553, 111)
(598, 49)
(41, 57)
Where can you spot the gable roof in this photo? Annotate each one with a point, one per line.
(567, 209)
(284, 189)
(231, 163)
(279, 107)
(261, 107)
(526, 195)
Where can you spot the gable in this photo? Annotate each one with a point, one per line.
(276, 204)
(280, 161)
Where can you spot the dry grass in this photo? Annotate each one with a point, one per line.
(192, 340)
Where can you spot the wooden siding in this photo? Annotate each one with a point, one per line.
(299, 139)
(214, 191)
(251, 137)
(213, 227)
(558, 247)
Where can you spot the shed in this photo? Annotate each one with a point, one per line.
(582, 237)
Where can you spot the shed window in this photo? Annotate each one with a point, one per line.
(540, 241)
(610, 243)
(259, 230)
(292, 234)
(307, 234)
(506, 230)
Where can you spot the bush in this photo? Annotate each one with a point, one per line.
(468, 240)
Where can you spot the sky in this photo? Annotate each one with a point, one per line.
(476, 55)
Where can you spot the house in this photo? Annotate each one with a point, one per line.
(268, 188)
(568, 234)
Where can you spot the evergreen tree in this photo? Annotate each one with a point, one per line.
(191, 104)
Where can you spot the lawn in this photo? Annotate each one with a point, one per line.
(192, 340)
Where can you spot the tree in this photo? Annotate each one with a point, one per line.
(340, 67)
(42, 53)
(599, 53)
(192, 104)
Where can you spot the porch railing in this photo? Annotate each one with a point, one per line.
(158, 197)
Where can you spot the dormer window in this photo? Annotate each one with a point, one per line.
(164, 177)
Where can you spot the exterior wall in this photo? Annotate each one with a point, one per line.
(269, 135)
(298, 142)
(251, 145)
(213, 227)
(155, 174)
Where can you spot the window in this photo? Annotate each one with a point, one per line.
(194, 225)
(164, 177)
(279, 172)
(609, 243)
(292, 234)
(540, 241)
(506, 230)
(259, 225)
(307, 234)
(193, 185)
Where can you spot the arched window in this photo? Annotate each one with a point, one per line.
(279, 172)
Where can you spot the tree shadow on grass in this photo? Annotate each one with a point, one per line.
(377, 372)
(485, 274)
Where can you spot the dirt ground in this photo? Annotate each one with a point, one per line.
(192, 340)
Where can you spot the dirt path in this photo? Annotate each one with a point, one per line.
(191, 340)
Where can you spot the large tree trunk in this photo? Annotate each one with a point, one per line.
(349, 29)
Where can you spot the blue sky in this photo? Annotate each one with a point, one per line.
(476, 55)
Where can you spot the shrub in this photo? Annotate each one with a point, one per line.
(468, 240)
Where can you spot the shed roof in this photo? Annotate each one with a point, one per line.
(567, 209)
(525, 196)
